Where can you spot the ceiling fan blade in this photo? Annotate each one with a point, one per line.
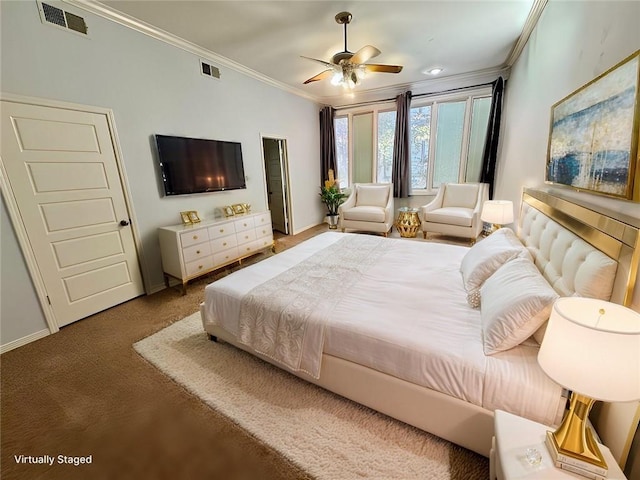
(326, 64)
(320, 76)
(383, 68)
(365, 53)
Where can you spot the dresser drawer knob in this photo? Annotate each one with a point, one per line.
(222, 230)
(224, 244)
(245, 224)
(246, 237)
(195, 237)
(199, 267)
(198, 252)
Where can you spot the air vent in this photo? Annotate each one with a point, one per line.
(209, 70)
(60, 18)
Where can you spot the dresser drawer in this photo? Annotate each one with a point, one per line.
(195, 252)
(263, 219)
(244, 224)
(223, 243)
(199, 266)
(225, 257)
(246, 236)
(264, 231)
(222, 230)
(194, 237)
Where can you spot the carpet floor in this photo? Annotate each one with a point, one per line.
(326, 435)
(86, 392)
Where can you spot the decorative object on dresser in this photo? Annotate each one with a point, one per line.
(186, 220)
(228, 211)
(593, 139)
(189, 252)
(591, 347)
(194, 217)
(238, 209)
(497, 213)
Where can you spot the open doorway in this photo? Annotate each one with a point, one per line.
(274, 153)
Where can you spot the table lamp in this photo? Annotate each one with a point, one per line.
(592, 348)
(497, 212)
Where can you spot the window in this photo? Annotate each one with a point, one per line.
(341, 129)
(446, 138)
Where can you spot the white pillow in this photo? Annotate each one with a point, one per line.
(487, 255)
(516, 301)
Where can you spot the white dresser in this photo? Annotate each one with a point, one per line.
(189, 251)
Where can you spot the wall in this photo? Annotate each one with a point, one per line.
(573, 43)
(153, 87)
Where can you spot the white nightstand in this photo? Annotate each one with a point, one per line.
(513, 435)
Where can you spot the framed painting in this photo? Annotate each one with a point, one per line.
(593, 139)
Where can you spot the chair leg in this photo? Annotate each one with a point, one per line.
(424, 235)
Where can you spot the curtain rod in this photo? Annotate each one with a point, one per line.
(373, 102)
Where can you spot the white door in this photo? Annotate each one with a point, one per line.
(64, 177)
(274, 151)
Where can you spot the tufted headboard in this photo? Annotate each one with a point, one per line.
(579, 251)
(583, 252)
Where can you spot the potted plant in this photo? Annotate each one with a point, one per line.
(332, 197)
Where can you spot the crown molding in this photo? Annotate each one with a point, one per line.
(432, 85)
(530, 24)
(109, 13)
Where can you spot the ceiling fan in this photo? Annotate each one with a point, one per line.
(347, 68)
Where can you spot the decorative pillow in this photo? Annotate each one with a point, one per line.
(372, 195)
(516, 301)
(486, 256)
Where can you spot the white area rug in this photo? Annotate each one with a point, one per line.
(326, 435)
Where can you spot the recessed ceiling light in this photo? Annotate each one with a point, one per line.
(433, 71)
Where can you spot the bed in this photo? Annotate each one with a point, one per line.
(395, 324)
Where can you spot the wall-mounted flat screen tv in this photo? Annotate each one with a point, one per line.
(194, 165)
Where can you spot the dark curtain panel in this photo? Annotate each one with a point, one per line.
(490, 154)
(401, 170)
(327, 144)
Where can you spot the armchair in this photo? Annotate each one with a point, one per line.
(455, 210)
(369, 208)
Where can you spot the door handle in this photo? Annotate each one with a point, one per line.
(124, 223)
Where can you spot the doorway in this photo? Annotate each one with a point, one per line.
(274, 153)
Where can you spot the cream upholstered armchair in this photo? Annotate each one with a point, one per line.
(455, 210)
(369, 208)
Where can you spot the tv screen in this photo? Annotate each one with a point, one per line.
(193, 165)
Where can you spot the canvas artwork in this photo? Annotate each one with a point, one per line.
(593, 143)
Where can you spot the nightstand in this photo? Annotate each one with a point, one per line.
(513, 436)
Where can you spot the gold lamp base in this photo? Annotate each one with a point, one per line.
(573, 442)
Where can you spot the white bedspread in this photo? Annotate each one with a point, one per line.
(407, 316)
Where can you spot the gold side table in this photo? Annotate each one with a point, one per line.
(408, 222)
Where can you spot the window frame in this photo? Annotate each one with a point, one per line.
(468, 95)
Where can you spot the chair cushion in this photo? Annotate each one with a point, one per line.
(451, 216)
(364, 214)
(372, 195)
(460, 195)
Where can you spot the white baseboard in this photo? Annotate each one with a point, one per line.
(24, 340)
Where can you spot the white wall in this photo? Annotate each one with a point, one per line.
(153, 87)
(573, 43)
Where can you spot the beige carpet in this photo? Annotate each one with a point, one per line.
(326, 435)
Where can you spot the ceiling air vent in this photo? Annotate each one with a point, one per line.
(60, 18)
(209, 70)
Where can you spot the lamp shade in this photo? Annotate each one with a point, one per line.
(593, 348)
(499, 212)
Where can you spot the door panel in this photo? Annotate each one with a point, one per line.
(63, 173)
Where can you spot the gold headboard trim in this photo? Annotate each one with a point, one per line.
(605, 233)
